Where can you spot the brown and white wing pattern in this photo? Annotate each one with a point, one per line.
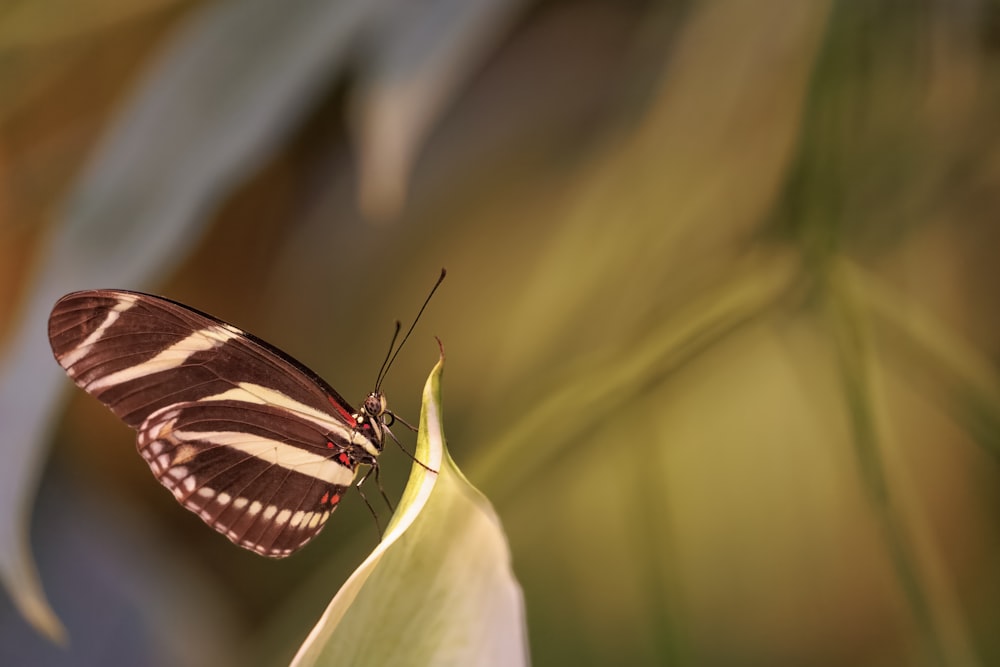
(249, 439)
(262, 476)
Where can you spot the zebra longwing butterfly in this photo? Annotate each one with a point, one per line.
(243, 435)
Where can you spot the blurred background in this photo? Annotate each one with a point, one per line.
(720, 317)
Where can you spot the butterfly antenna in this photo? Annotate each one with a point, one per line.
(388, 364)
(392, 343)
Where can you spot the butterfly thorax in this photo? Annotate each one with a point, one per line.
(372, 420)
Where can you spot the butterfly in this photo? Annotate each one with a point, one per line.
(252, 441)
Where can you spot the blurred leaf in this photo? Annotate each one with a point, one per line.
(202, 119)
(679, 193)
(542, 433)
(29, 386)
(928, 350)
(118, 580)
(422, 52)
(438, 589)
(37, 23)
(942, 643)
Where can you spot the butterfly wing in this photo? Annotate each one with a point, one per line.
(246, 437)
(253, 472)
(138, 353)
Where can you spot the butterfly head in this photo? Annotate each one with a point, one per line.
(374, 418)
(375, 405)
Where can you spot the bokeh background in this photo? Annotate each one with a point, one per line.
(720, 319)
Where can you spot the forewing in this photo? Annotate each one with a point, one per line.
(262, 476)
(139, 353)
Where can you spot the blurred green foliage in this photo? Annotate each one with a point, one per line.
(719, 320)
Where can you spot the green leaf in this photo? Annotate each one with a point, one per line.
(438, 589)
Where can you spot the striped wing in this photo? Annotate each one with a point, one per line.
(254, 474)
(243, 435)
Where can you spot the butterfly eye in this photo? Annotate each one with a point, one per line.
(375, 404)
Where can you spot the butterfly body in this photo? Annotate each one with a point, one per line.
(242, 434)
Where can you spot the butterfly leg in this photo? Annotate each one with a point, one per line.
(378, 525)
(391, 418)
(407, 452)
(381, 489)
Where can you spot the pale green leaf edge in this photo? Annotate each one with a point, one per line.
(430, 451)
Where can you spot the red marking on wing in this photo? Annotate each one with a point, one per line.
(334, 499)
(329, 445)
(344, 412)
(344, 459)
(326, 496)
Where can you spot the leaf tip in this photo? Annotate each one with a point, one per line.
(26, 592)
